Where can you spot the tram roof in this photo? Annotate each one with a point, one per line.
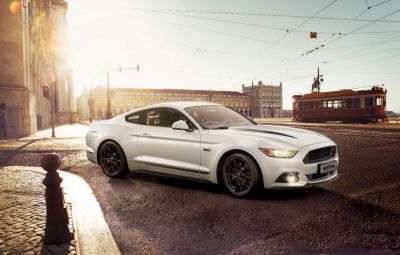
(340, 93)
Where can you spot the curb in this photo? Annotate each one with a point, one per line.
(92, 234)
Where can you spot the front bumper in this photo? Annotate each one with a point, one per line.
(308, 173)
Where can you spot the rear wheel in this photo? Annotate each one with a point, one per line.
(240, 175)
(112, 160)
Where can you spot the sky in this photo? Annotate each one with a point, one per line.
(222, 44)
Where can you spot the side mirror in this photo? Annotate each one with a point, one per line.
(181, 125)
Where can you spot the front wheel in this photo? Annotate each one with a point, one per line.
(112, 160)
(240, 175)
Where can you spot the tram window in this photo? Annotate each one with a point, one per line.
(349, 103)
(356, 103)
(378, 101)
(336, 104)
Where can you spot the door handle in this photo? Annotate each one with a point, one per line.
(143, 134)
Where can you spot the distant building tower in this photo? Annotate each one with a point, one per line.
(265, 100)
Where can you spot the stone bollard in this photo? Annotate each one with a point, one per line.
(56, 231)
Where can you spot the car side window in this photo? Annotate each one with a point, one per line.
(165, 117)
(137, 117)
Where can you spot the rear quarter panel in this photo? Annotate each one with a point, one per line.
(124, 134)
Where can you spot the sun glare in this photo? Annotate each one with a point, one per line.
(15, 6)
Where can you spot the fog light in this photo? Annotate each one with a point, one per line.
(290, 177)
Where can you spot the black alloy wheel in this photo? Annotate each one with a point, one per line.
(112, 160)
(240, 175)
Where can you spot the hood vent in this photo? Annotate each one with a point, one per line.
(264, 131)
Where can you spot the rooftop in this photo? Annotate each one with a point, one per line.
(341, 93)
(175, 91)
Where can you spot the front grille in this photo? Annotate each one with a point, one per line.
(320, 154)
(317, 175)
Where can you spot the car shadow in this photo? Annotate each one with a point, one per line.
(193, 185)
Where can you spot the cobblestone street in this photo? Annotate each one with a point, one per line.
(356, 214)
(23, 214)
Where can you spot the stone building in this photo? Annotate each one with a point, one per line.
(32, 56)
(125, 99)
(266, 100)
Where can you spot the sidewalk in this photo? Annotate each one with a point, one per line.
(23, 215)
(64, 131)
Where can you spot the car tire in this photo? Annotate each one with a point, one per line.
(112, 160)
(240, 175)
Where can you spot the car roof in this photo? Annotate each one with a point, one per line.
(178, 105)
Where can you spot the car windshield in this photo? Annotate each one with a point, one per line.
(217, 117)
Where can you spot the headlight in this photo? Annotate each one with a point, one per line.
(278, 153)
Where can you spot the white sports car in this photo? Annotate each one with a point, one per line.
(209, 142)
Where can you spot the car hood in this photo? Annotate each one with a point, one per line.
(280, 136)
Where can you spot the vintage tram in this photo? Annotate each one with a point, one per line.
(343, 105)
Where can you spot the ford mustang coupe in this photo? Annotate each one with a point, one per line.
(209, 142)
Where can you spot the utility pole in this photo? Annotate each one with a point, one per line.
(120, 69)
(53, 95)
(252, 99)
(90, 104)
(317, 82)
(108, 113)
(53, 132)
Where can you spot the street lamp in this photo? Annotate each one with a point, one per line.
(120, 69)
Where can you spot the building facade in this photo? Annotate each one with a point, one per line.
(265, 100)
(32, 43)
(125, 99)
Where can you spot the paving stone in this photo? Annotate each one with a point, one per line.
(23, 213)
(29, 253)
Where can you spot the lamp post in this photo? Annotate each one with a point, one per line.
(120, 69)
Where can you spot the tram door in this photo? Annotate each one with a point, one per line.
(368, 104)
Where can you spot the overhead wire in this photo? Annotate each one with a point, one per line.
(361, 44)
(246, 23)
(364, 26)
(366, 54)
(276, 28)
(329, 41)
(299, 25)
(268, 14)
(363, 49)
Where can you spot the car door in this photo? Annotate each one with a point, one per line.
(135, 123)
(169, 151)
